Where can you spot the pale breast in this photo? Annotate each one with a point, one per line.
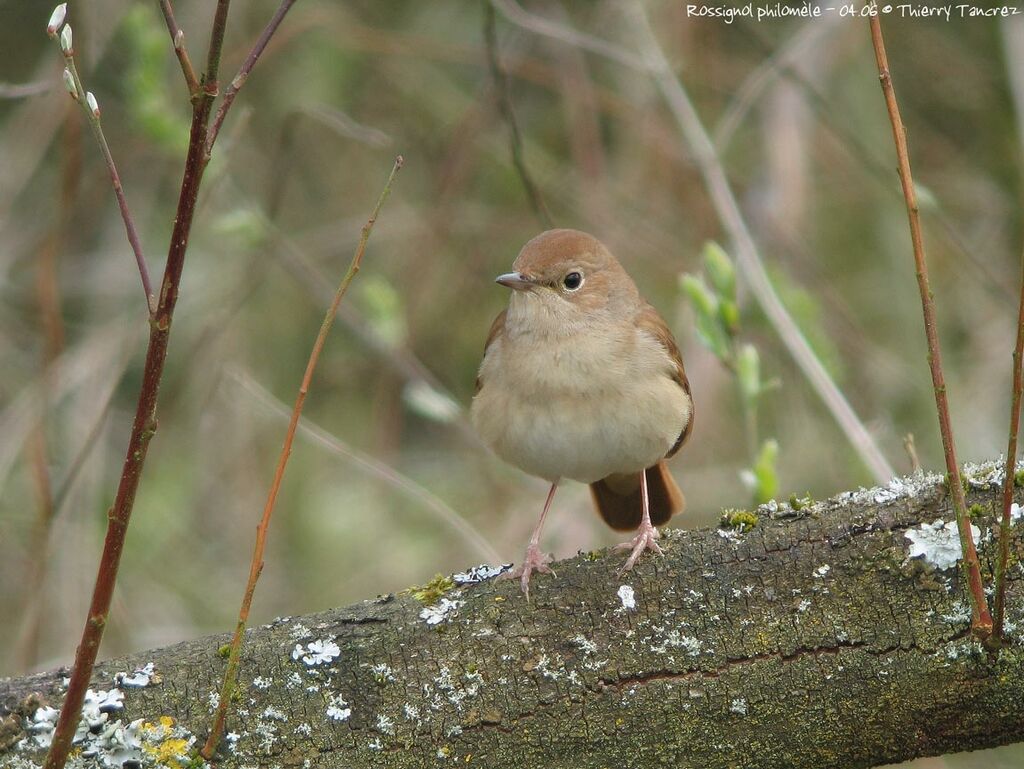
(582, 406)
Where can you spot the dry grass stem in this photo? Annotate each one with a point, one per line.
(256, 566)
(981, 619)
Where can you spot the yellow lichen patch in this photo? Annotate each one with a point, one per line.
(170, 753)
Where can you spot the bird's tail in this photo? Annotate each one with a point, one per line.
(617, 498)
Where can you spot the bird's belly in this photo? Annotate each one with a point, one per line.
(581, 424)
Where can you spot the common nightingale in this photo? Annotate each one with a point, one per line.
(582, 379)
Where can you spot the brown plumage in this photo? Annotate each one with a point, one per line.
(582, 379)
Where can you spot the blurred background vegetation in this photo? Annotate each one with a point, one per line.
(395, 487)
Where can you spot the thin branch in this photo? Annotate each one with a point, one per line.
(256, 566)
(981, 619)
(210, 84)
(504, 98)
(519, 16)
(145, 423)
(444, 512)
(243, 72)
(753, 269)
(24, 90)
(178, 41)
(1013, 43)
(92, 114)
(1009, 473)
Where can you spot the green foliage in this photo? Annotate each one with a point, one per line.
(717, 321)
(147, 98)
(707, 316)
(383, 308)
(763, 478)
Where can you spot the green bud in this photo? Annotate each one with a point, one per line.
(706, 314)
(720, 270)
(748, 372)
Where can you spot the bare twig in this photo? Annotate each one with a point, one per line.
(911, 449)
(1009, 473)
(145, 423)
(243, 73)
(23, 90)
(710, 166)
(981, 619)
(519, 16)
(92, 113)
(256, 566)
(178, 41)
(767, 72)
(444, 512)
(503, 94)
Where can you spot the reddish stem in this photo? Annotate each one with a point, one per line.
(1009, 473)
(145, 423)
(178, 41)
(243, 73)
(981, 619)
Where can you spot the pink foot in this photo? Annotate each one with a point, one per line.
(645, 539)
(534, 560)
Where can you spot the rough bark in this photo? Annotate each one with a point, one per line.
(742, 650)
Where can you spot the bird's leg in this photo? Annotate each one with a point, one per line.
(646, 537)
(534, 560)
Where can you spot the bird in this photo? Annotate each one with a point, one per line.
(582, 379)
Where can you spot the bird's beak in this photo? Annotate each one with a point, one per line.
(515, 280)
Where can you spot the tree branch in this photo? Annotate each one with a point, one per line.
(243, 74)
(809, 637)
(178, 41)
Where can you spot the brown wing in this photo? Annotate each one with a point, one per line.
(496, 328)
(650, 321)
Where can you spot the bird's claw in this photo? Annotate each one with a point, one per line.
(645, 539)
(534, 560)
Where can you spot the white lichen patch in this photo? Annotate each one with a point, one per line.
(676, 639)
(627, 597)
(444, 610)
(317, 652)
(293, 681)
(803, 606)
(822, 571)
(261, 682)
(298, 631)
(730, 535)
(738, 706)
(139, 678)
(585, 644)
(338, 709)
(959, 615)
(938, 543)
(304, 729)
(412, 713)
(385, 725)
(480, 573)
(382, 673)
(108, 743)
(1016, 513)
(274, 714)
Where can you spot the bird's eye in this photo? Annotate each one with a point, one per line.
(572, 281)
